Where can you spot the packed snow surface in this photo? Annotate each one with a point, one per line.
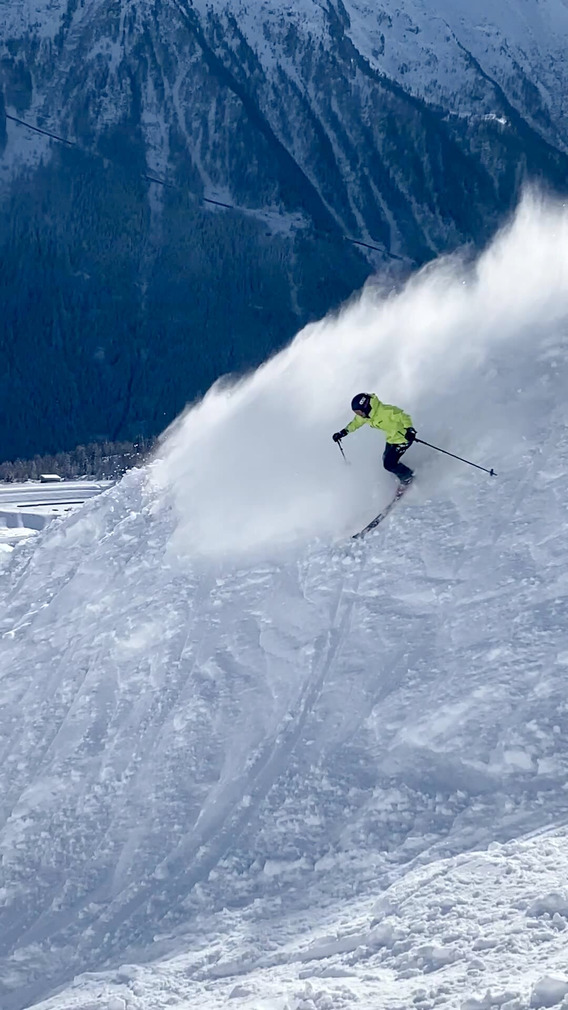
(29, 507)
(247, 761)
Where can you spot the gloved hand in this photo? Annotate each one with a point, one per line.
(410, 435)
(338, 435)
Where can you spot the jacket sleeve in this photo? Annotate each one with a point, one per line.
(355, 423)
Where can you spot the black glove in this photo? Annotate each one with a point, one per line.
(410, 435)
(338, 435)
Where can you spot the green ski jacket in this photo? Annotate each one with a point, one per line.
(392, 420)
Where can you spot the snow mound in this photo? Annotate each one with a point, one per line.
(258, 764)
(454, 935)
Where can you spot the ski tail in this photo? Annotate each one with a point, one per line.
(401, 490)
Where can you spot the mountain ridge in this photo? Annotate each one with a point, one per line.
(295, 118)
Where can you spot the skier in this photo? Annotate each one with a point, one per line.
(396, 425)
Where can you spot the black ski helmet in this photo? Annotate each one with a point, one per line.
(362, 402)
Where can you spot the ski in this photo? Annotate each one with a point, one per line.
(382, 515)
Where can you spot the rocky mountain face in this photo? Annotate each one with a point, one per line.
(126, 290)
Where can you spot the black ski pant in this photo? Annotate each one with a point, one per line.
(391, 461)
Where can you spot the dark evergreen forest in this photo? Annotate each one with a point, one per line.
(123, 300)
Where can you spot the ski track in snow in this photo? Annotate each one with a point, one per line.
(308, 773)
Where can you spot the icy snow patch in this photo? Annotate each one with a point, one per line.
(549, 991)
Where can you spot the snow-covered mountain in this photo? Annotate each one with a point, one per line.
(307, 104)
(248, 761)
(410, 127)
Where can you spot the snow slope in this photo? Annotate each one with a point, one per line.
(246, 759)
(446, 52)
(440, 51)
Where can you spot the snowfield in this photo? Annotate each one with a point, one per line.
(29, 507)
(249, 762)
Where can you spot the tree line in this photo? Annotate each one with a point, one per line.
(99, 460)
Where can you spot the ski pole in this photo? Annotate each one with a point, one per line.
(462, 460)
(340, 447)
